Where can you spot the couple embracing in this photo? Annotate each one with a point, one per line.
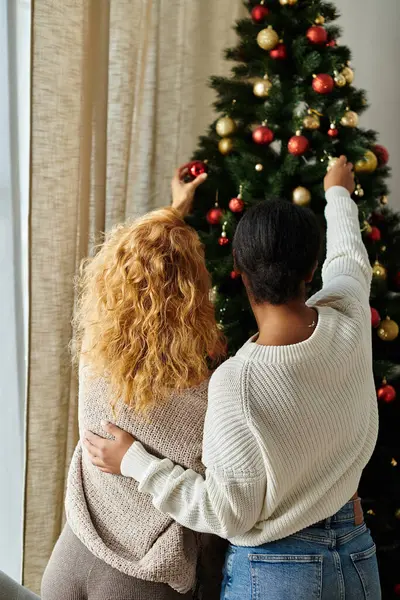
(266, 453)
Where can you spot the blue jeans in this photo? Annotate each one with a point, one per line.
(332, 560)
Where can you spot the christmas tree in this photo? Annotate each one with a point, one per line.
(287, 111)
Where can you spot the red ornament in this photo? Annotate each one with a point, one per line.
(279, 52)
(381, 153)
(214, 216)
(397, 589)
(235, 275)
(375, 234)
(263, 135)
(387, 393)
(236, 205)
(298, 145)
(196, 168)
(375, 318)
(259, 13)
(317, 35)
(223, 241)
(331, 44)
(323, 83)
(333, 132)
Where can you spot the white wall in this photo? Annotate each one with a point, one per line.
(14, 199)
(372, 32)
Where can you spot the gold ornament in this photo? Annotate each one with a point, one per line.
(348, 74)
(259, 167)
(388, 330)
(368, 164)
(371, 513)
(301, 196)
(384, 200)
(397, 514)
(393, 462)
(261, 87)
(340, 80)
(367, 228)
(288, 2)
(383, 248)
(311, 121)
(267, 39)
(379, 271)
(359, 191)
(320, 20)
(332, 162)
(225, 126)
(225, 146)
(349, 119)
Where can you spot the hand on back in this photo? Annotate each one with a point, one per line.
(341, 174)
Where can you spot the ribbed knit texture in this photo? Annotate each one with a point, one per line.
(288, 429)
(109, 515)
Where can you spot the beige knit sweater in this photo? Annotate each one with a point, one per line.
(108, 514)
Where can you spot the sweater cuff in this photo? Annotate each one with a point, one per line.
(337, 191)
(137, 462)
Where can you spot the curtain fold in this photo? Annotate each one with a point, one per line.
(118, 99)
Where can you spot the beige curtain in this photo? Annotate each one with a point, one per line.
(119, 97)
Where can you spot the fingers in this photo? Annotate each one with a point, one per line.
(198, 181)
(111, 428)
(93, 439)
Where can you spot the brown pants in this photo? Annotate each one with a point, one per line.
(74, 573)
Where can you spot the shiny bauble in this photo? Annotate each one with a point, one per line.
(225, 146)
(331, 44)
(375, 318)
(301, 196)
(259, 13)
(333, 132)
(236, 205)
(223, 240)
(349, 119)
(267, 39)
(348, 74)
(279, 53)
(259, 167)
(384, 200)
(332, 162)
(196, 168)
(261, 88)
(311, 122)
(263, 135)
(317, 35)
(381, 153)
(225, 126)
(320, 20)
(375, 234)
(387, 393)
(368, 164)
(340, 80)
(235, 275)
(298, 145)
(323, 84)
(378, 271)
(214, 216)
(288, 2)
(388, 330)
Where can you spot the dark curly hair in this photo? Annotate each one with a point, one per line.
(276, 247)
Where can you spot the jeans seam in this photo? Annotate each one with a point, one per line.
(338, 565)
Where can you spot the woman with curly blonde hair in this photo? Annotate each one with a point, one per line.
(145, 328)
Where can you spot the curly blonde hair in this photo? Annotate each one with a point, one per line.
(144, 318)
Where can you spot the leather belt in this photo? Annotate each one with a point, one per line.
(358, 511)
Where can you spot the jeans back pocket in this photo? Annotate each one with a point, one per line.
(366, 566)
(284, 577)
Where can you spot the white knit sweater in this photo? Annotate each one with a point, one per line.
(288, 429)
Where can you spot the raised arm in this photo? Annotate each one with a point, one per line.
(346, 270)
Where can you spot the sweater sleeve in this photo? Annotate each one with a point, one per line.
(229, 500)
(346, 271)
